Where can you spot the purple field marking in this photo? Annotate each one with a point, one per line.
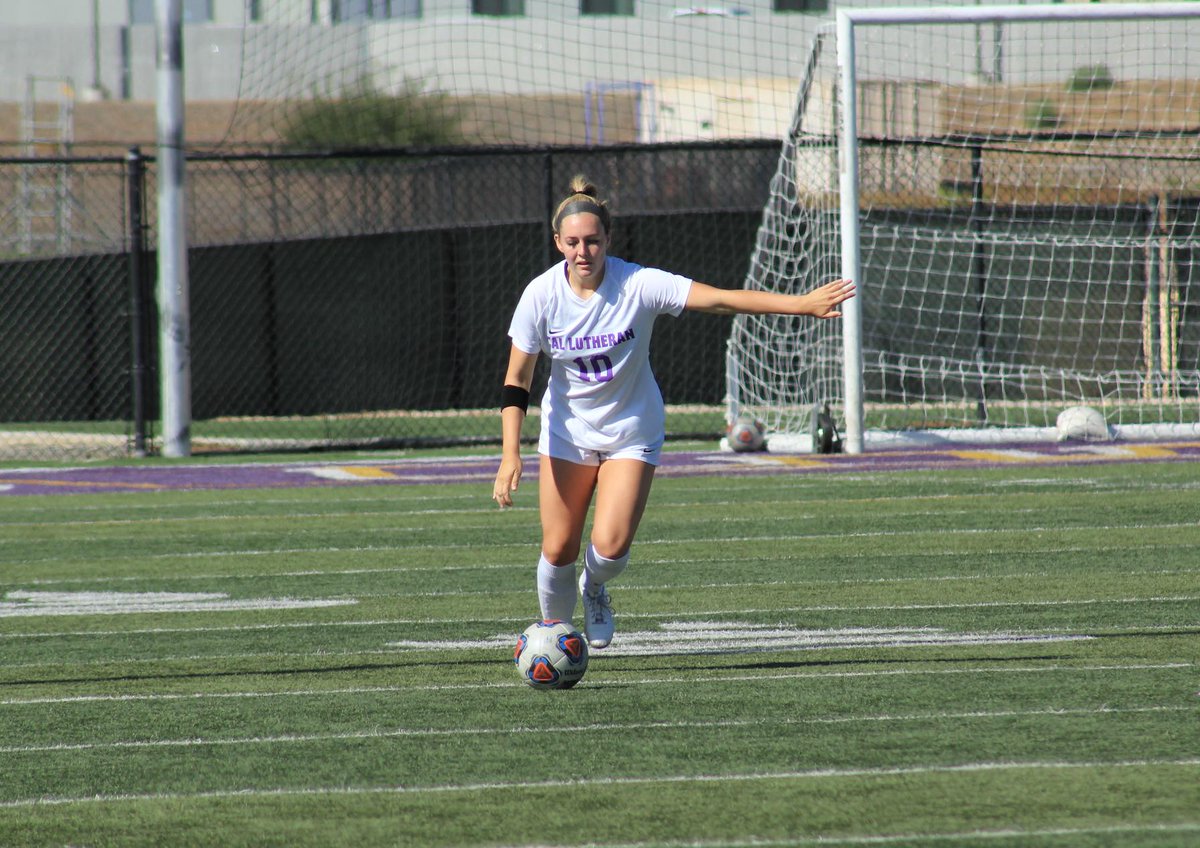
(481, 469)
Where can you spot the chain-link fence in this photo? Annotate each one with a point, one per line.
(337, 300)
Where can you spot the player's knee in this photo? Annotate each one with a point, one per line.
(560, 552)
(611, 545)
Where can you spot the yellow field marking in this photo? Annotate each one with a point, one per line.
(798, 462)
(1006, 456)
(1091, 453)
(368, 472)
(347, 472)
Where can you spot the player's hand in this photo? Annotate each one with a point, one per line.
(507, 480)
(824, 300)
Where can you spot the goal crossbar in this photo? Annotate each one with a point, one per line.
(989, 14)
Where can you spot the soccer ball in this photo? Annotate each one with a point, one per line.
(747, 435)
(1082, 422)
(551, 655)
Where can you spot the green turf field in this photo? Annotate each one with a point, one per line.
(1000, 657)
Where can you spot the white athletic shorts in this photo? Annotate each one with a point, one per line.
(559, 448)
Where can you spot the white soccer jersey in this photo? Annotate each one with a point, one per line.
(602, 395)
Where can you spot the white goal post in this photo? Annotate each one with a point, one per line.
(1016, 190)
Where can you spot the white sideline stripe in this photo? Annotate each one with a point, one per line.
(402, 732)
(958, 838)
(391, 652)
(329, 602)
(397, 512)
(342, 496)
(424, 513)
(1070, 602)
(791, 537)
(399, 498)
(1082, 486)
(648, 681)
(1027, 603)
(400, 647)
(677, 638)
(496, 566)
(1032, 602)
(159, 519)
(501, 786)
(398, 507)
(406, 622)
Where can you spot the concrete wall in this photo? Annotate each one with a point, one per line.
(693, 76)
(549, 50)
(233, 12)
(472, 55)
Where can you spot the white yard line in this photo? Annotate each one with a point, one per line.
(605, 782)
(681, 561)
(674, 540)
(408, 622)
(953, 838)
(616, 727)
(687, 677)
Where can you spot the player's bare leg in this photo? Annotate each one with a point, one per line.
(565, 492)
(622, 490)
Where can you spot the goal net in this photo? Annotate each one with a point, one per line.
(1016, 191)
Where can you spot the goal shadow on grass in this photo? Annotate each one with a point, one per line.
(244, 672)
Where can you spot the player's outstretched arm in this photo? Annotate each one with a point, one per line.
(508, 476)
(821, 302)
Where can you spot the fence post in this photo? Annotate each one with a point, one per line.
(141, 306)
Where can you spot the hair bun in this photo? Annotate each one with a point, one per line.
(583, 198)
(580, 185)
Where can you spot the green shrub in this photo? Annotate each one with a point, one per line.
(1091, 78)
(363, 117)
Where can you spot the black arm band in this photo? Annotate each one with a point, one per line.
(514, 396)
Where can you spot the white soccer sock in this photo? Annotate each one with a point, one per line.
(556, 589)
(601, 569)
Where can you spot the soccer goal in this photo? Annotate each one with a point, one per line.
(1016, 190)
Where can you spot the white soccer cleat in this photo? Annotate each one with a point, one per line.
(597, 614)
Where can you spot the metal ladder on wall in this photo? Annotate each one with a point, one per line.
(47, 130)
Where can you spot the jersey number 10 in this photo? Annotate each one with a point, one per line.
(597, 368)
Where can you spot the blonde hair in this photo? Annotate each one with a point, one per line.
(583, 198)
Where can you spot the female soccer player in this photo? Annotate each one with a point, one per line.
(603, 423)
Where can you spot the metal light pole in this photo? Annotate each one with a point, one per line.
(173, 294)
